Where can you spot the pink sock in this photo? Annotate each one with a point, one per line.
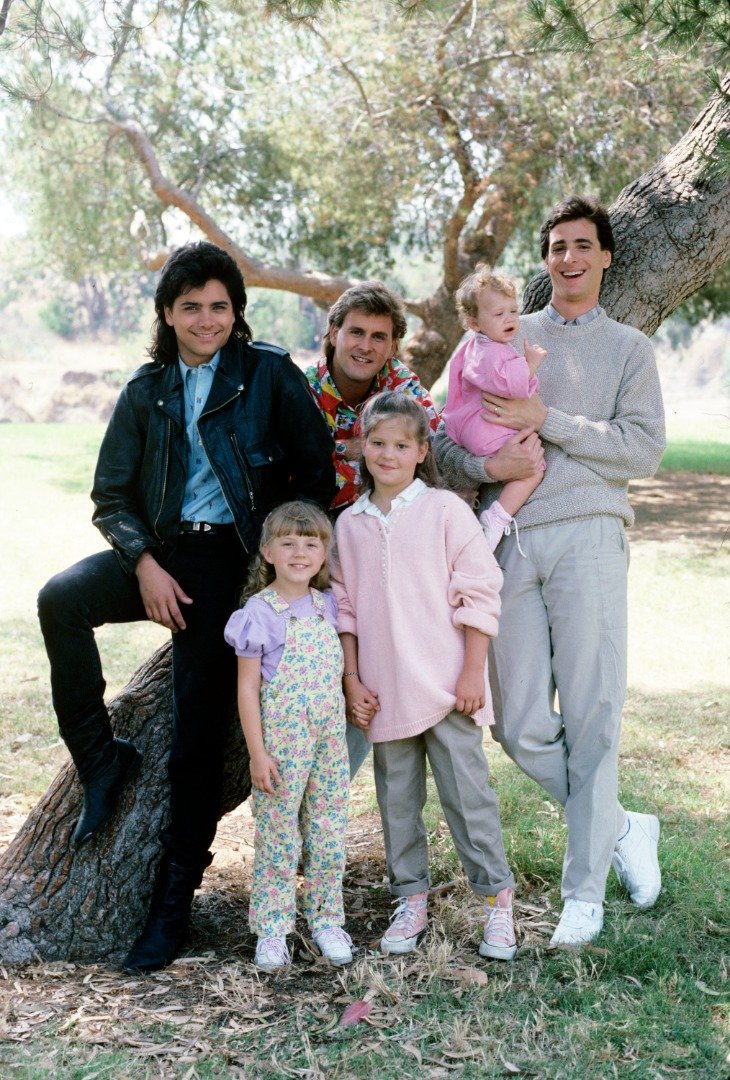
(495, 520)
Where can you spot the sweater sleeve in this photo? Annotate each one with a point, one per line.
(459, 468)
(346, 619)
(629, 445)
(475, 576)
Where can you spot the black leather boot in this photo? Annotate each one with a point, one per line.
(102, 790)
(166, 929)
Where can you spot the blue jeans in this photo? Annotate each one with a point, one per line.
(211, 570)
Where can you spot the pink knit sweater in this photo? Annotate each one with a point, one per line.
(405, 588)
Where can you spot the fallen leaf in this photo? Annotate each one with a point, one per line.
(470, 975)
(354, 1013)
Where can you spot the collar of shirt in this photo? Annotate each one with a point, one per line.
(201, 369)
(580, 320)
(365, 505)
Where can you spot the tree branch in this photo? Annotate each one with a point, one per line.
(4, 14)
(322, 287)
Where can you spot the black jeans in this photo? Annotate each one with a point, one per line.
(211, 570)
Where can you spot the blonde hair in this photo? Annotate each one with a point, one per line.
(390, 405)
(290, 519)
(467, 295)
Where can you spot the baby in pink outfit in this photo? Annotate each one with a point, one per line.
(487, 361)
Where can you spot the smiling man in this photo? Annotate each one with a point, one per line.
(365, 327)
(564, 613)
(203, 442)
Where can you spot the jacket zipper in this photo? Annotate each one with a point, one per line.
(244, 469)
(164, 475)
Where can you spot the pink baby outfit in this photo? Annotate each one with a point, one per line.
(482, 364)
(406, 588)
(303, 721)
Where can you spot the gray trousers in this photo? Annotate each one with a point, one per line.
(563, 629)
(456, 756)
(358, 748)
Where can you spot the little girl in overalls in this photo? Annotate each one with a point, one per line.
(292, 713)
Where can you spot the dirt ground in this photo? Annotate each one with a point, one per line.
(682, 506)
(102, 1009)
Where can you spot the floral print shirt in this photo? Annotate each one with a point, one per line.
(343, 419)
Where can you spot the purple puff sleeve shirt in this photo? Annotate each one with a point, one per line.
(257, 630)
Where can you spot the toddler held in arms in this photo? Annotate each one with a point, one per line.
(488, 361)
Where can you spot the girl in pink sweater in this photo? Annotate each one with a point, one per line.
(418, 595)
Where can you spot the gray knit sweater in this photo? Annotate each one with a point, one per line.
(604, 427)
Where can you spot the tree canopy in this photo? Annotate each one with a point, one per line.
(320, 142)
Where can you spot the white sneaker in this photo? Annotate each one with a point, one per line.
(636, 859)
(580, 922)
(408, 924)
(272, 954)
(334, 944)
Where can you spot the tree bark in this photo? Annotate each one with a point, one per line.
(59, 903)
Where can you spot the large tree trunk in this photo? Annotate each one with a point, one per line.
(58, 903)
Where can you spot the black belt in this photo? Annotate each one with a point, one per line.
(205, 528)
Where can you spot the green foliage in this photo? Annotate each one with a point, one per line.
(680, 26)
(60, 317)
(285, 319)
(340, 135)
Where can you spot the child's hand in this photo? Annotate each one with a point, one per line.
(264, 774)
(534, 355)
(361, 703)
(470, 692)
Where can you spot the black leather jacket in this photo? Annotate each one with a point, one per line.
(264, 436)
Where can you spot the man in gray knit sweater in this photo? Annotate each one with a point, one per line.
(563, 627)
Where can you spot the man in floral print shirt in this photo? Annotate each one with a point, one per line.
(365, 327)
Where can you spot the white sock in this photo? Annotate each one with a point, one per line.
(494, 520)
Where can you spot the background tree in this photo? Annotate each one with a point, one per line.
(337, 137)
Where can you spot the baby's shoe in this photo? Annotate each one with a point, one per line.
(407, 925)
(499, 942)
(272, 954)
(334, 944)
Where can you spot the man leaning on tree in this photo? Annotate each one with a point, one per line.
(203, 442)
(564, 608)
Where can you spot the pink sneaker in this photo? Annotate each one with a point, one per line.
(407, 925)
(499, 942)
(496, 523)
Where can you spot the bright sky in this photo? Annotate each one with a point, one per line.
(11, 223)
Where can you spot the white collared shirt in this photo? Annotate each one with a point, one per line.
(365, 505)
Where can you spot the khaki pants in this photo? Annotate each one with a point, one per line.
(455, 753)
(563, 628)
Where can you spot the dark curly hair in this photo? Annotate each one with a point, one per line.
(191, 267)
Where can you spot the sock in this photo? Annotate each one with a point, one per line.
(494, 520)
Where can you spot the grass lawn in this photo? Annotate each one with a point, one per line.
(649, 1000)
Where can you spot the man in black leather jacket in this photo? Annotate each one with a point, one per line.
(203, 442)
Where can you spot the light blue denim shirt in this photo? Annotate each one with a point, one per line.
(203, 499)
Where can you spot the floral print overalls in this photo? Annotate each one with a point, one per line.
(303, 721)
